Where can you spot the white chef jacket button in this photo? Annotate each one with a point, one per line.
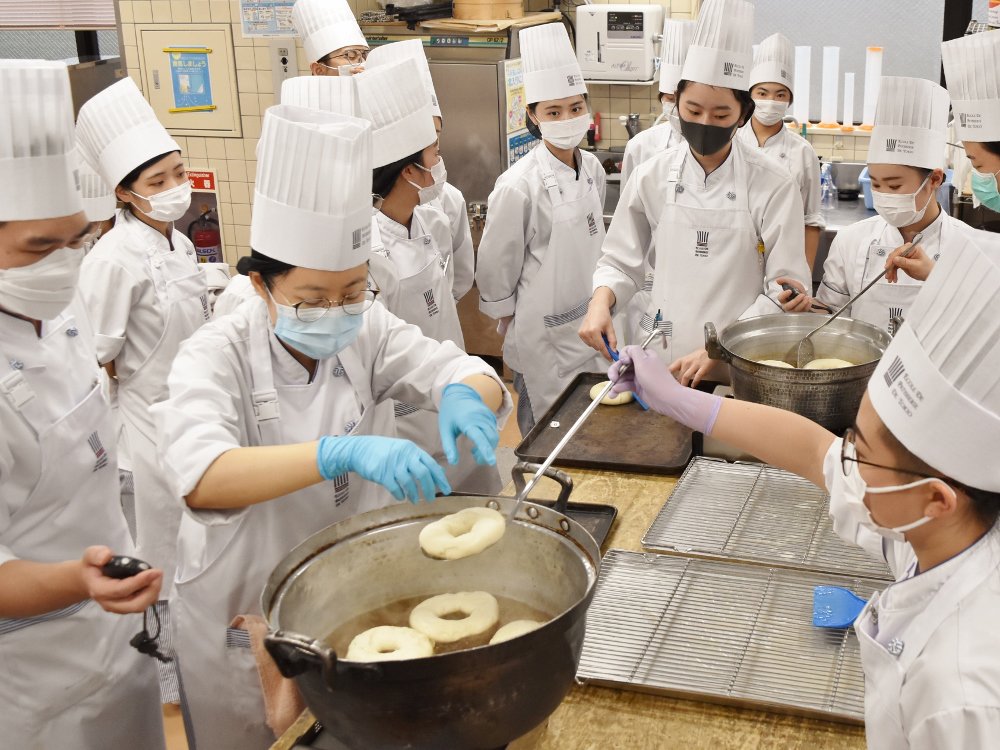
(782, 156)
(71, 332)
(338, 372)
(936, 256)
(17, 364)
(895, 647)
(679, 189)
(731, 195)
(880, 251)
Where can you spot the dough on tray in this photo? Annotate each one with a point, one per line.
(609, 400)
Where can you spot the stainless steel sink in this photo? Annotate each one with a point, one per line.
(611, 159)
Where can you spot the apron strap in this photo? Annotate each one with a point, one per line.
(15, 387)
(549, 181)
(265, 396)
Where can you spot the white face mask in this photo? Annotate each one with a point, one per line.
(42, 290)
(900, 210)
(849, 493)
(432, 192)
(768, 111)
(170, 205)
(565, 133)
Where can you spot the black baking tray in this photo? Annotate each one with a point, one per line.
(616, 438)
(596, 518)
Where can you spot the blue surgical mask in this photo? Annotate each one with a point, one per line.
(319, 339)
(984, 188)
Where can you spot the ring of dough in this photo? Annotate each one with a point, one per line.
(775, 363)
(479, 607)
(462, 534)
(829, 363)
(609, 400)
(513, 630)
(388, 643)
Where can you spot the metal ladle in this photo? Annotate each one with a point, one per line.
(805, 352)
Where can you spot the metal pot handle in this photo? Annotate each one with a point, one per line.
(295, 654)
(565, 482)
(712, 345)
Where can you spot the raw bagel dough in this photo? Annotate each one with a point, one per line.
(480, 608)
(388, 643)
(609, 400)
(775, 363)
(461, 534)
(829, 363)
(513, 630)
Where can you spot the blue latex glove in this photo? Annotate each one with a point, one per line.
(398, 465)
(463, 412)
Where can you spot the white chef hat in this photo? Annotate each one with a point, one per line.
(677, 37)
(549, 64)
(972, 71)
(326, 93)
(38, 161)
(774, 62)
(937, 387)
(326, 26)
(312, 203)
(118, 130)
(721, 53)
(911, 123)
(410, 49)
(394, 99)
(98, 198)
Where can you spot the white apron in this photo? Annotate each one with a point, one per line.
(70, 678)
(709, 264)
(886, 666)
(551, 305)
(426, 277)
(183, 292)
(222, 570)
(885, 305)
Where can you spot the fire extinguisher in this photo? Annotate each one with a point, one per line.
(207, 239)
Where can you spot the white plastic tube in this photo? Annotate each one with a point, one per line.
(831, 82)
(848, 101)
(873, 81)
(800, 107)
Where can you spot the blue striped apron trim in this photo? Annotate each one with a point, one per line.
(13, 625)
(402, 409)
(647, 284)
(559, 319)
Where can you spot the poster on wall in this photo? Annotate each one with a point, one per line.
(190, 79)
(267, 18)
(519, 140)
(201, 223)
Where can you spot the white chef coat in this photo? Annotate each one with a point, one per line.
(775, 210)
(858, 255)
(381, 275)
(932, 669)
(225, 557)
(145, 296)
(70, 678)
(647, 144)
(797, 155)
(452, 202)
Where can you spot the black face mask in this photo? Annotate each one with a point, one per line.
(707, 139)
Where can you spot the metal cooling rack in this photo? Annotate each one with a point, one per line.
(755, 513)
(723, 632)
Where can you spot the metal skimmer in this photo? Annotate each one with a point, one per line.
(755, 513)
(723, 632)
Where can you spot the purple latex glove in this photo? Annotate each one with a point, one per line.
(649, 379)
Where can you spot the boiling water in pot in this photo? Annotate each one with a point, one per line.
(398, 614)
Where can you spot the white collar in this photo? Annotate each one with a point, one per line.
(393, 228)
(724, 171)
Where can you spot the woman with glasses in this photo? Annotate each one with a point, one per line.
(275, 426)
(331, 37)
(915, 482)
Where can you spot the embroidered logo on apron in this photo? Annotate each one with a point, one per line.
(432, 306)
(94, 440)
(591, 224)
(701, 245)
(341, 489)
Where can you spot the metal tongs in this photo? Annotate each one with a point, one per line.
(804, 350)
(622, 369)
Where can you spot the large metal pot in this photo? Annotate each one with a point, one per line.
(829, 397)
(479, 698)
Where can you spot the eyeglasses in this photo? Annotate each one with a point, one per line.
(849, 457)
(353, 56)
(311, 310)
